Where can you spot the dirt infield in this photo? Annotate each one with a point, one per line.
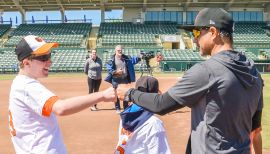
(91, 132)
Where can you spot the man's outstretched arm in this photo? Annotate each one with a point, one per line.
(154, 102)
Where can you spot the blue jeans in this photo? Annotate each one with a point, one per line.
(117, 81)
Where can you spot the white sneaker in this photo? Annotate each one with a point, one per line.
(118, 111)
(92, 108)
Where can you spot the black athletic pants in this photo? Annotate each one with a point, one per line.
(93, 85)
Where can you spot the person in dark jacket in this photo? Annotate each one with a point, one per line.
(121, 71)
(225, 92)
(93, 70)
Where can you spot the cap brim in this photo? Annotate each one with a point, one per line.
(187, 27)
(190, 27)
(45, 49)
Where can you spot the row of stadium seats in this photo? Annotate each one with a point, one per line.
(66, 34)
(133, 35)
(53, 28)
(183, 55)
(252, 55)
(251, 38)
(129, 36)
(63, 40)
(251, 45)
(128, 40)
(251, 35)
(130, 28)
(4, 28)
(169, 54)
(73, 59)
(68, 59)
(8, 60)
(249, 28)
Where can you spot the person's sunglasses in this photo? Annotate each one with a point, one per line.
(197, 32)
(43, 58)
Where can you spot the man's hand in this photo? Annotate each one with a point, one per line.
(122, 89)
(127, 97)
(109, 95)
(118, 73)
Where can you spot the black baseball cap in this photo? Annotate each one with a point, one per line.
(147, 84)
(33, 45)
(216, 17)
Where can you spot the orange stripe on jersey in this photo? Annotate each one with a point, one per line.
(121, 150)
(47, 108)
(11, 126)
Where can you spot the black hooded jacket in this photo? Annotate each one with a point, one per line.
(224, 94)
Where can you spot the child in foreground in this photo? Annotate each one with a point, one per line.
(141, 132)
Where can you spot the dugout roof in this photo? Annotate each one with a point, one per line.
(39, 5)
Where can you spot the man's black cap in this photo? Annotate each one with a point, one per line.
(147, 84)
(216, 17)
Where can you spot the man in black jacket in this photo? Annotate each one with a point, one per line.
(225, 92)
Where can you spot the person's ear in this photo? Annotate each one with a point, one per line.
(26, 62)
(214, 32)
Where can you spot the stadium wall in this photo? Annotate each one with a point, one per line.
(131, 13)
(267, 16)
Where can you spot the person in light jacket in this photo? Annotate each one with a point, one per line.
(93, 70)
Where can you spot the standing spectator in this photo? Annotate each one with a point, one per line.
(159, 58)
(225, 92)
(33, 108)
(121, 71)
(156, 62)
(93, 70)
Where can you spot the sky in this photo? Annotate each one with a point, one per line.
(91, 15)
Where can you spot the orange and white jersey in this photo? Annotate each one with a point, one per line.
(33, 126)
(149, 138)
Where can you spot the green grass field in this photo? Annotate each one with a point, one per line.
(11, 76)
(266, 113)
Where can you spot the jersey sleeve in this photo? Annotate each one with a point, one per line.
(193, 85)
(47, 108)
(40, 99)
(157, 141)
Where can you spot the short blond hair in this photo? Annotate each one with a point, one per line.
(21, 65)
(118, 46)
(92, 50)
